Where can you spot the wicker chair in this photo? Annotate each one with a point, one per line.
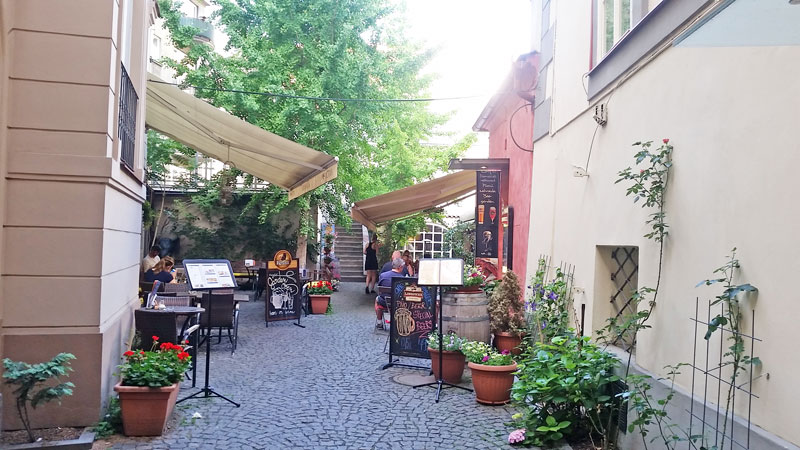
(224, 314)
(176, 287)
(174, 300)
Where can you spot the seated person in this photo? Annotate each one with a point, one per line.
(385, 280)
(388, 266)
(410, 269)
(161, 271)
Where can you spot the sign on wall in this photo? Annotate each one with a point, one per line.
(283, 288)
(487, 214)
(412, 318)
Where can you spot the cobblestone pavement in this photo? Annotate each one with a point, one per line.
(322, 387)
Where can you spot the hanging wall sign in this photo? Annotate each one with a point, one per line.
(283, 288)
(412, 318)
(487, 214)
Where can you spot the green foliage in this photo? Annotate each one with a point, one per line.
(731, 316)
(563, 389)
(112, 420)
(478, 352)
(163, 151)
(163, 365)
(650, 184)
(505, 305)
(31, 384)
(395, 234)
(550, 305)
(323, 48)
(452, 342)
(460, 241)
(473, 276)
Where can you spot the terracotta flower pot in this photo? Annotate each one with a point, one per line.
(492, 383)
(504, 340)
(145, 410)
(452, 362)
(319, 303)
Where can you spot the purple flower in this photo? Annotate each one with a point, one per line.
(506, 352)
(485, 358)
(552, 296)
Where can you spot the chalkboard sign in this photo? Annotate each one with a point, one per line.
(487, 214)
(283, 288)
(412, 318)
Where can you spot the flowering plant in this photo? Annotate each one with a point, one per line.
(478, 352)
(451, 343)
(473, 276)
(163, 365)
(321, 287)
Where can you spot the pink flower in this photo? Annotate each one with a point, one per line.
(485, 358)
(516, 436)
(505, 352)
(666, 141)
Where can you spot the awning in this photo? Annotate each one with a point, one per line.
(215, 133)
(413, 199)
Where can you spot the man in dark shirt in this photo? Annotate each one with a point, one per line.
(388, 266)
(398, 265)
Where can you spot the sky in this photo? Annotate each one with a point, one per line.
(477, 41)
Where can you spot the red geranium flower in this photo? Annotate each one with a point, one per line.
(155, 338)
(128, 353)
(666, 141)
(183, 355)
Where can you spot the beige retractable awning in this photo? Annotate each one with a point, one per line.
(215, 133)
(413, 199)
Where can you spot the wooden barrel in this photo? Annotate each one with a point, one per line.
(466, 314)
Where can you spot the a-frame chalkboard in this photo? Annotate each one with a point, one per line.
(283, 288)
(412, 319)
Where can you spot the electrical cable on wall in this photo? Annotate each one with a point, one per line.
(511, 130)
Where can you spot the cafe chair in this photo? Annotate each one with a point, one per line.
(176, 287)
(261, 283)
(151, 323)
(224, 314)
(174, 300)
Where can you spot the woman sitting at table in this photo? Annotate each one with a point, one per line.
(161, 271)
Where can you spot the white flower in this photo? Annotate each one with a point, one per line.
(197, 415)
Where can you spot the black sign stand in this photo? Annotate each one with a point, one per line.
(440, 383)
(207, 391)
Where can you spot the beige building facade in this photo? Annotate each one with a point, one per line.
(720, 80)
(72, 102)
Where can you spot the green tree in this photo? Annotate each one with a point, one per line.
(322, 48)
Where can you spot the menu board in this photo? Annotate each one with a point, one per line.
(487, 214)
(283, 287)
(412, 318)
(209, 273)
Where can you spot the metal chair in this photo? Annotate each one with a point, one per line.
(151, 323)
(224, 314)
(261, 283)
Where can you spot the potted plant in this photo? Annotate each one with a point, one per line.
(319, 292)
(149, 387)
(473, 279)
(452, 358)
(492, 372)
(506, 314)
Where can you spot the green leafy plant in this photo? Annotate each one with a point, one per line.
(505, 305)
(548, 308)
(163, 365)
(563, 389)
(731, 316)
(27, 382)
(478, 352)
(112, 420)
(459, 241)
(452, 342)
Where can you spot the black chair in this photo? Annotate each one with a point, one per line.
(224, 314)
(261, 283)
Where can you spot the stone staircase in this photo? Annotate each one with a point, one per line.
(349, 249)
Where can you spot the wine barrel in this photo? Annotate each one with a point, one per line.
(466, 314)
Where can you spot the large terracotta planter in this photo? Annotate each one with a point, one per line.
(319, 303)
(452, 362)
(504, 340)
(145, 410)
(492, 383)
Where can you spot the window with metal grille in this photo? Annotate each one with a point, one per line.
(127, 119)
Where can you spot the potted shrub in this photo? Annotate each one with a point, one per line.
(473, 279)
(452, 358)
(319, 292)
(149, 387)
(506, 314)
(492, 372)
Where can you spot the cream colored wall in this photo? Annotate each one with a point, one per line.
(734, 176)
(72, 215)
